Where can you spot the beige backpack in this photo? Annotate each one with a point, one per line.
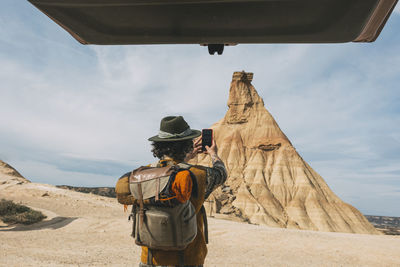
(165, 225)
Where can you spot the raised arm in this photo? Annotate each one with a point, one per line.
(216, 175)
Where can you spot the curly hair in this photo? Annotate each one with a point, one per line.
(176, 149)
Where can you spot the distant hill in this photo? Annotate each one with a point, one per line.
(102, 191)
(9, 175)
(9, 170)
(388, 225)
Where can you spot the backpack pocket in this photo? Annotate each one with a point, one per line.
(167, 228)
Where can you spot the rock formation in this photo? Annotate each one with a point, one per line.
(269, 183)
(10, 175)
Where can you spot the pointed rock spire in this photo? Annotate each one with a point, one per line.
(243, 98)
(269, 183)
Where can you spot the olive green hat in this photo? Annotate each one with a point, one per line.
(174, 128)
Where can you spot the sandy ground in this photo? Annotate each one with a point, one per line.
(89, 230)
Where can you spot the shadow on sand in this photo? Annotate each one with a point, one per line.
(55, 223)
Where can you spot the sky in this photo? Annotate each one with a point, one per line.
(81, 115)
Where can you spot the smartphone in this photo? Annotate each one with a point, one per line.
(206, 139)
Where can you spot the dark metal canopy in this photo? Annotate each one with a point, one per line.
(219, 21)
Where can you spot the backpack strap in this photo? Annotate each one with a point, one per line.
(205, 222)
(181, 255)
(133, 217)
(140, 199)
(141, 205)
(186, 166)
(149, 257)
(157, 197)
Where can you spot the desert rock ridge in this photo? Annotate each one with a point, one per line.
(10, 175)
(269, 183)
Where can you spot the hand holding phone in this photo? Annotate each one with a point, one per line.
(206, 139)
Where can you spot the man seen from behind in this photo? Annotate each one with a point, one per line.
(174, 145)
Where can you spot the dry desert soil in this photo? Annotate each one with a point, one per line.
(90, 230)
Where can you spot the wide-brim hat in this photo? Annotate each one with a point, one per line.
(174, 128)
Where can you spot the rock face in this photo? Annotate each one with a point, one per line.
(269, 183)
